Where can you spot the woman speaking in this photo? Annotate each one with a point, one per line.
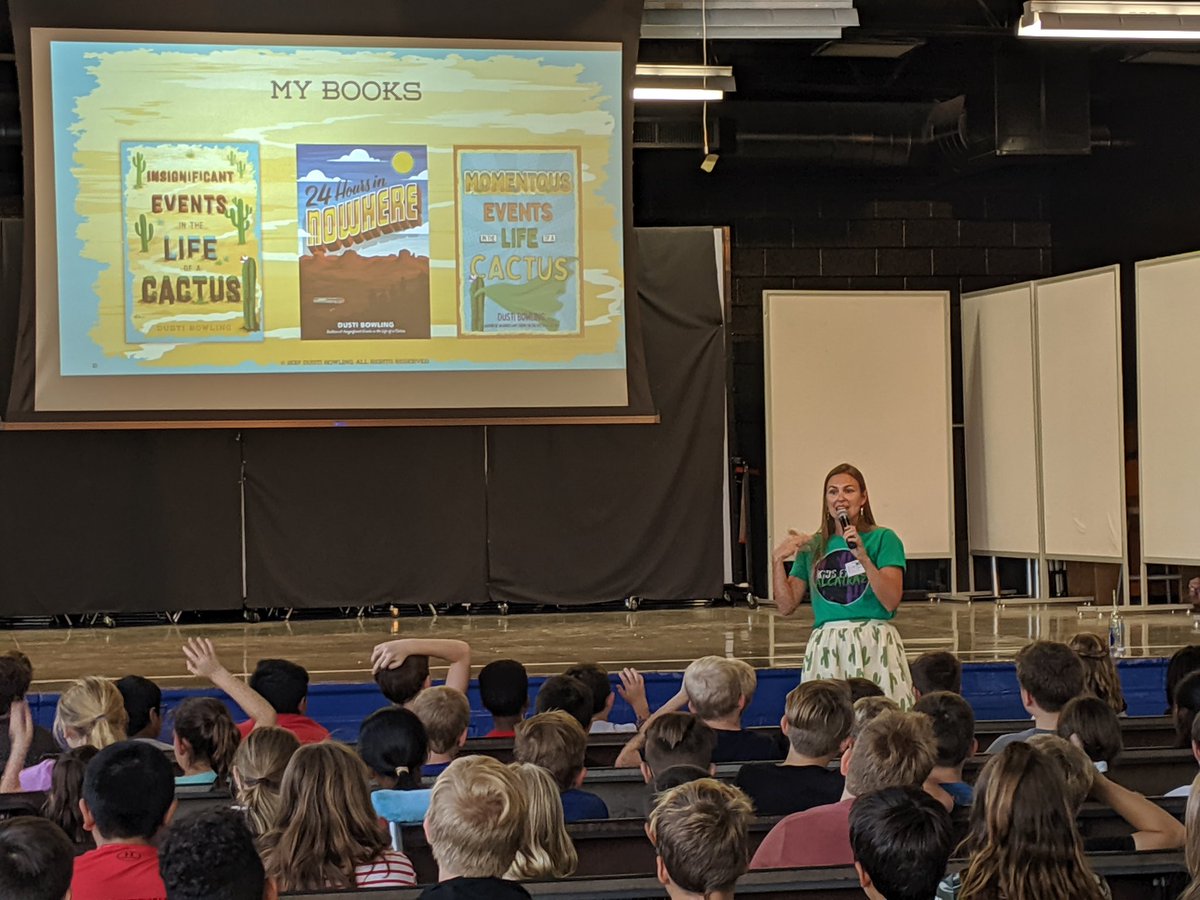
(854, 571)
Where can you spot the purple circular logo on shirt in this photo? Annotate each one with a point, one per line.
(840, 578)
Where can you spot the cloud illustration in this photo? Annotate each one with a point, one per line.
(318, 175)
(355, 156)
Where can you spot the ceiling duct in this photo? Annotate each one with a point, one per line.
(747, 19)
(851, 134)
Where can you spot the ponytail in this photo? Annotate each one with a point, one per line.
(258, 767)
(206, 725)
(94, 711)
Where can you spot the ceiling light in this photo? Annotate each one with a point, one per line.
(1104, 20)
(654, 81)
(747, 19)
(675, 93)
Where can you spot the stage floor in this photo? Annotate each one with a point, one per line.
(650, 639)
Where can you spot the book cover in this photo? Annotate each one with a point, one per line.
(364, 255)
(519, 251)
(193, 242)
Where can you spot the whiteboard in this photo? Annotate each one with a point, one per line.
(1080, 415)
(862, 378)
(1168, 324)
(1000, 422)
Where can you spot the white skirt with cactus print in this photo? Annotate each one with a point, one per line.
(868, 649)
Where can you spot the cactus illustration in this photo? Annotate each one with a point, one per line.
(478, 292)
(145, 231)
(232, 157)
(249, 294)
(241, 169)
(241, 215)
(139, 166)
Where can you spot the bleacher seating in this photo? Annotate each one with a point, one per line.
(1131, 876)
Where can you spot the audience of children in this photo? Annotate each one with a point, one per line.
(1050, 675)
(1091, 724)
(1153, 828)
(504, 692)
(882, 807)
(557, 742)
(936, 670)
(90, 712)
(817, 719)
(143, 706)
(402, 667)
(546, 850)
(633, 691)
(566, 693)
(1023, 841)
(66, 789)
(901, 839)
(895, 749)
(446, 715)
(205, 742)
(475, 827)
(700, 832)
(1100, 678)
(257, 771)
(35, 859)
(678, 748)
(212, 856)
(128, 798)
(953, 723)
(327, 834)
(16, 673)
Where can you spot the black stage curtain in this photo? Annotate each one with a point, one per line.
(119, 522)
(596, 513)
(12, 233)
(614, 21)
(361, 516)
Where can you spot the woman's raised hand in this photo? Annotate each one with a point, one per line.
(790, 545)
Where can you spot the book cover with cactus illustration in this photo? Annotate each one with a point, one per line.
(364, 227)
(192, 242)
(518, 241)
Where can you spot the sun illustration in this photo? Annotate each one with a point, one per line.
(402, 162)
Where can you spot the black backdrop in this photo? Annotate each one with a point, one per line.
(125, 521)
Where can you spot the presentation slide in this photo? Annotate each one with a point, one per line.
(270, 222)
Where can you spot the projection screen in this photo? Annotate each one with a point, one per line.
(243, 222)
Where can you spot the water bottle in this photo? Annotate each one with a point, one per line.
(1116, 633)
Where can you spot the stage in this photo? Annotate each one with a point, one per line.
(664, 640)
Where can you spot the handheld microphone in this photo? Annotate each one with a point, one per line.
(845, 521)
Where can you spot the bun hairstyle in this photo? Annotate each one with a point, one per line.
(1100, 678)
(258, 767)
(393, 744)
(208, 728)
(90, 711)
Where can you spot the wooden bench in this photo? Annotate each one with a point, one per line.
(1137, 733)
(1130, 876)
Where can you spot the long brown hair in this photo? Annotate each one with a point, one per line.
(66, 787)
(258, 767)
(1191, 850)
(866, 518)
(326, 826)
(1022, 842)
(1099, 672)
(207, 726)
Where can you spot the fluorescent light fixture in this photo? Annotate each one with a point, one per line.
(747, 19)
(675, 93)
(656, 81)
(1104, 20)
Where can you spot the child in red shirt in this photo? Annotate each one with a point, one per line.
(128, 795)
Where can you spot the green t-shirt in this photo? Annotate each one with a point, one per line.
(838, 583)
